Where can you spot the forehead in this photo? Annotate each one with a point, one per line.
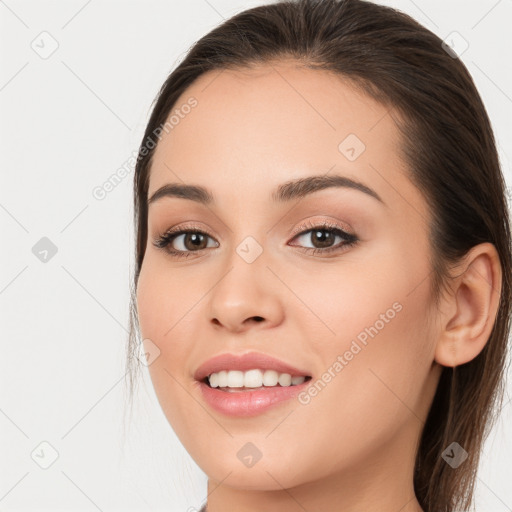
(252, 129)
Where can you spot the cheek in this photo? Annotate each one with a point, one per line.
(161, 309)
(373, 369)
(162, 305)
(370, 329)
(380, 294)
(148, 289)
(166, 303)
(163, 301)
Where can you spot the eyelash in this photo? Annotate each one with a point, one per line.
(349, 239)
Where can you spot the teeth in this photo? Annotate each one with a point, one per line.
(252, 379)
(297, 380)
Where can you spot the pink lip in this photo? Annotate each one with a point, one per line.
(251, 402)
(244, 362)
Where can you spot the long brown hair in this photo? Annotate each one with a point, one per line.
(449, 146)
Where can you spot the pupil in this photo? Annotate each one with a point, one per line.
(323, 237)
(195, 239)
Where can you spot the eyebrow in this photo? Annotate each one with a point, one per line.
(287, 191)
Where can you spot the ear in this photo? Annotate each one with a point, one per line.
(469, 313)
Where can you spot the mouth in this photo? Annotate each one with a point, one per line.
(249, 383)
(250, 369)
(247, 401)
(234, 381)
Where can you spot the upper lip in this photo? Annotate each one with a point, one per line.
(243, 362)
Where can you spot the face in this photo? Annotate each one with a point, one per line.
(333, 281)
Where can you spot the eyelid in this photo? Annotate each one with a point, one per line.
(307, 225)
(321, 223)
(187, 227)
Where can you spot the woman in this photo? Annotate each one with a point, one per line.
(323, 262)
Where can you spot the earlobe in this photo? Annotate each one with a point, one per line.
(475, 298)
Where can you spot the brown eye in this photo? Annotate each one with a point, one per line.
(192, 241)
(184, 242)
(323, 238)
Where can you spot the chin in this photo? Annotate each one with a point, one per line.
(260, 477)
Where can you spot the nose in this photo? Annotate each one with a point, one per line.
(247, 295)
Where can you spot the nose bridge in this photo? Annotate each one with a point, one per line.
(244, 289)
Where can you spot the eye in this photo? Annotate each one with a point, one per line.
(323, 236)
(185, 241)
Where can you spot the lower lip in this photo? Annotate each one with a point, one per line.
(249, 403)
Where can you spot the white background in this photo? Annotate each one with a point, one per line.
(67, 123)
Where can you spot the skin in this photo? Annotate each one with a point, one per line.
(354, 444)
